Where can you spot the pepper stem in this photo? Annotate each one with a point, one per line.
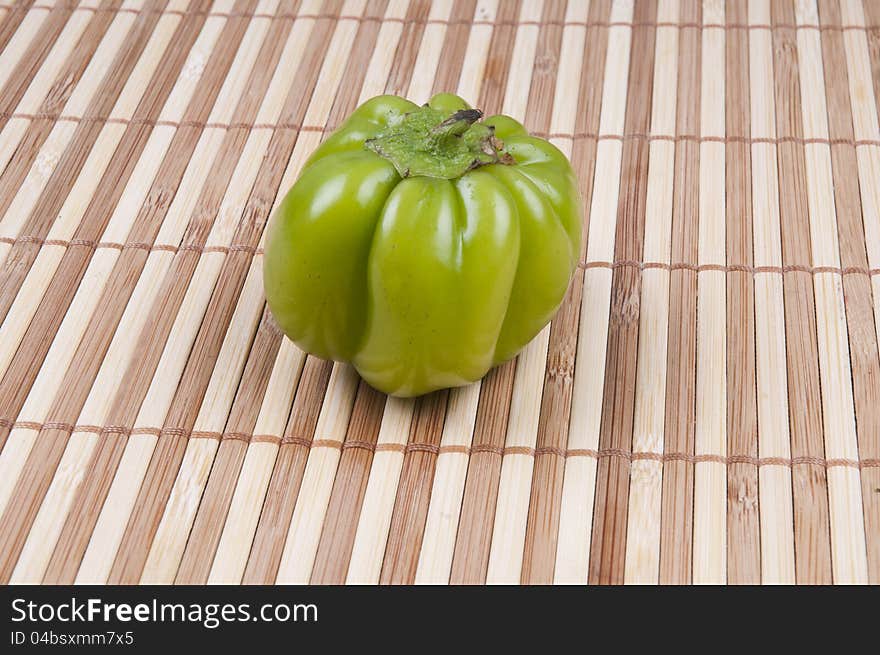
(458, 123)
(428, 143)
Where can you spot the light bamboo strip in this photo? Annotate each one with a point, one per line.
(211, 264)
(849, 555)
(646, 488)
(710, 478)
(170, 539)
(565, 101)
(374, 523)
(511, 512)
(13, 131)
(777, 548)
(46, 385)
(111, 522)
(575, 526)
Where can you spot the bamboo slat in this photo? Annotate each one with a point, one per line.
(702, 409)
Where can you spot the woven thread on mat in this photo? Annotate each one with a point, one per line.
(434, 449)
(595, 136)
(626, 263)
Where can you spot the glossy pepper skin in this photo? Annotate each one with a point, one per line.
(423, 275)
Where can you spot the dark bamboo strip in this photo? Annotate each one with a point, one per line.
(810, 497)
(195, 565)
(743, 527)
(283, 490)
(40, 466)
(33, 57)
(542, 521)
(340, 525)
(61, 90)
(454, 46)
(471, 556)
(12, 20)
(860, 311)
(608, 549)
(414, 491)
(171, 445)
(408, 47)
(123, 410)
(230, 457)
(676, 522)
(18, 263)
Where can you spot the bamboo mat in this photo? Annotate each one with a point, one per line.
(705, 408)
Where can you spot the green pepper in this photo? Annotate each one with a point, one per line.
(422, 244)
